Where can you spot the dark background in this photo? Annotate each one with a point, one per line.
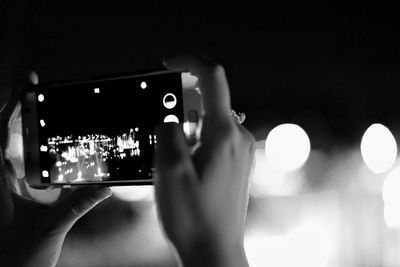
(333, 67)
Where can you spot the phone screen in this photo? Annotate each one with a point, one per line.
(104, 130)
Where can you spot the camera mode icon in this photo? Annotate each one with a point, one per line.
(169, 101)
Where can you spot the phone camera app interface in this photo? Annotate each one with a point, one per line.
(105, 130)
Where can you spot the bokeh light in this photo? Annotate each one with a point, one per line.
(267, 181)
(308, 245)
(287, 147)
(391, 198)
(378, 148)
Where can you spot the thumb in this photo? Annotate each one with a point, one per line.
(172, 160)
(77, 204)
(175, 174)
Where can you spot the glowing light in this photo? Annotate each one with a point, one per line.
(378, 148)
(267, 181)
(79, 177)
(171, 118)
(97, 90)
(134, 193)
(136, 129)
(60, 178)
(391, 198)
(45, 174)
(43, 148)
(169, 101)
(308, 245)
(41, 98)
(287, 147)
(58, 163)
(42, 123)
(99, 172)
(143, 85)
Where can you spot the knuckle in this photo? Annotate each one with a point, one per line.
(226, 131)
(248, 139)
(77, 210)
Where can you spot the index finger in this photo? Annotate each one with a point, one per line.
(212, 81)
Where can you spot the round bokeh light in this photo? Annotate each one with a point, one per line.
(378, 148)
(287, 147)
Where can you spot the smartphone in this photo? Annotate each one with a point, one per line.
(102, 131)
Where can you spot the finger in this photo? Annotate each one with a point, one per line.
(6, 204)
(28, 79)
(211, 78)
(175, 176)
(78, 203)
(172, 161)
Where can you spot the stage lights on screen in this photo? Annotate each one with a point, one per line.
(287, 147)
(378, 148)
(143, 85)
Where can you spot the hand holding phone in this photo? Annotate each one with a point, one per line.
(202, 196)
(32, 234)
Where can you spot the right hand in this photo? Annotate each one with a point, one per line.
(202, 197)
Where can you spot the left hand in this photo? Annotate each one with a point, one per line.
(32, 234)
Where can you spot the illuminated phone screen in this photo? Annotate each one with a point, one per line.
(104, 130)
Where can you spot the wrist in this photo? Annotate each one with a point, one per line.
(212, 254)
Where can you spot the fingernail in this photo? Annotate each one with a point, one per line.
(33, 77)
